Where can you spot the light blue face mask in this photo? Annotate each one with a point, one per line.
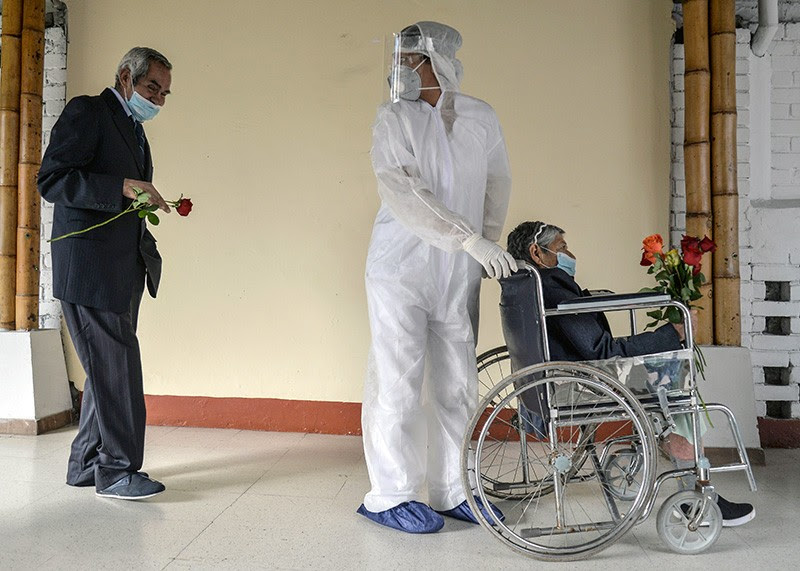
(142, 109)
(565, 262)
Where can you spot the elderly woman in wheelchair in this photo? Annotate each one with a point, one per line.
(567, 443)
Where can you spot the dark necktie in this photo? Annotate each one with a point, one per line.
(140, 138)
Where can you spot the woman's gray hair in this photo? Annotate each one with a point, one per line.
(526, 234)
(138, 61)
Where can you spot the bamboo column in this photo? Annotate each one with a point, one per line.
(725, 197)
(9, 154)
(697, 148)
(30, 158)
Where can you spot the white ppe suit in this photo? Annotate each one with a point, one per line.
(443, 176)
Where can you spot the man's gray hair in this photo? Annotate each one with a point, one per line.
(526, 234)
(138, 61)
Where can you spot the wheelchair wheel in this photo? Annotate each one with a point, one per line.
(493, 366)
(510, 478)
(674, 519)
(622, 469)
(590, 414)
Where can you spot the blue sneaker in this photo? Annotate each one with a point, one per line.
(411, 517)
(134, 486)
(463, 512)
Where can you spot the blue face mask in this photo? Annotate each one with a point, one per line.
(565, 262)
(142, 109)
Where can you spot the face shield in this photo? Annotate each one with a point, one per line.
(412, 47)
(407, 52)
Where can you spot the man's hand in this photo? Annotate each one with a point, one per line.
(679, 326)
(130, 185)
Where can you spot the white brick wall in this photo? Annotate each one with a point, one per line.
(785, 113)
(55, 93)
(769, 234)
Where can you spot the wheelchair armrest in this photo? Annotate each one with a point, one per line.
(615, 301)
(596, 292)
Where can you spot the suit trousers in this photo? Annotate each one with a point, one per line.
(110, 440)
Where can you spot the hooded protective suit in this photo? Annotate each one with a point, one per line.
(443, 178)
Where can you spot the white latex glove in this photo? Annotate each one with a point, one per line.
(497, 262)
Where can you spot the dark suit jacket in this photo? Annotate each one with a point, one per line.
(93, 148)
(587, 336)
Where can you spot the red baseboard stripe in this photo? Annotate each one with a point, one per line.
(276, 415)
(779, 432)
(323, 417)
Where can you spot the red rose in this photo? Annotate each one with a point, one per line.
(184, 206)
(692, 257)
(690, 243)
(707, 244)
(696, 270)
(692, 252)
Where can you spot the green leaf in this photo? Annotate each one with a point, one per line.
(673, 315)
(142, 198)
(652, 324)
(142, 213)
(153, 219)
(656, 314)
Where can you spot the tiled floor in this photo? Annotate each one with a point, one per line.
(265, 500)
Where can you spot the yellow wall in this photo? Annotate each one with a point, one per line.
(268, 131)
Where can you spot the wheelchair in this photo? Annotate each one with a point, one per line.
(569, 450)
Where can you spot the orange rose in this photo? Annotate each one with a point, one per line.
(653, 244)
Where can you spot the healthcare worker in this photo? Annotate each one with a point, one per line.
(444, 182)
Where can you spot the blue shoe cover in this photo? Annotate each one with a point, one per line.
(463, 512)
(411, 517)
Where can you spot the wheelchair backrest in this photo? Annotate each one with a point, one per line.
(522, 315)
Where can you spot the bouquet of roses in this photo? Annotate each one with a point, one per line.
(678, 275)
(139, 204)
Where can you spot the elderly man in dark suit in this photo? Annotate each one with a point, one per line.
(97, 158)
